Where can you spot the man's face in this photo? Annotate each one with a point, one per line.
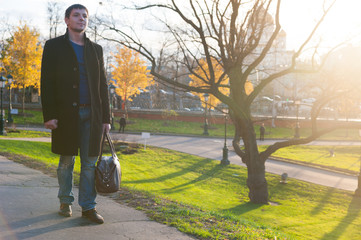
(77, 21)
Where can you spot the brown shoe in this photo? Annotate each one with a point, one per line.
(93, 216)
(65, 210)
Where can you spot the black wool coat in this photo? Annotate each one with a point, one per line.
(60, 93)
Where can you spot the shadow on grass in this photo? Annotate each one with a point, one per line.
(322, 202)
(275, 189)
(243, 208)
(206, 175)
(357, 162)
(352, 213)
(354, 165)
(319, 157)
(192, 168)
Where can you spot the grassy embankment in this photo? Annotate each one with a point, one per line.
(200, 197)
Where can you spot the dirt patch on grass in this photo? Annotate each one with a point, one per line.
(123, 147)
(31, 163)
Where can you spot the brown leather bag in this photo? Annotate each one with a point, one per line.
(107, 172)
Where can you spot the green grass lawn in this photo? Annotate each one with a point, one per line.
(217, 130)
(346, 158)
(30, 117)
(178, 127)
(210, 200)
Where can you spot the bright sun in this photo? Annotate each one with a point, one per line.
(342, 23)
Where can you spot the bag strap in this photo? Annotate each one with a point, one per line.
(112, 148)
(110, 142)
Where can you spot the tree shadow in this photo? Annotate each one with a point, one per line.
(357, 162)
(243, 208)
(206, 175)
(191, 168)
(322, 202)
(352, 213)
(319, 157)
(274, 189)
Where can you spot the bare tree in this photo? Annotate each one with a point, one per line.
(55, 17)
(239, 35)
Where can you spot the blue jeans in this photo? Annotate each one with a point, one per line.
(87, 192)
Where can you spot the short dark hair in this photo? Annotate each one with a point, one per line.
(74, 6)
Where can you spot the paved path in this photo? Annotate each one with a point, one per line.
(28, 210)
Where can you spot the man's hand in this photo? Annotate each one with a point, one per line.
(51, 124)
(106, 127)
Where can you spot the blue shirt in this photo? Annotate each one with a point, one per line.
(84, 95)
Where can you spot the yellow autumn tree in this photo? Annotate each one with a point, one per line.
(23, 58)
(201, 71)
(130, 74)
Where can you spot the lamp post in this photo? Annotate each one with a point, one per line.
(297, 103)
(297, 128)
(2, 85)
(205, 128)
(225, 160)
(10, 80)
(112, 90)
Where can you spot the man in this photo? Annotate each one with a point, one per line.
(122, 123)
(297, 130)
(262, 131)
(75, 104)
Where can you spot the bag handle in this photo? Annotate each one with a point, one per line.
(110, 142)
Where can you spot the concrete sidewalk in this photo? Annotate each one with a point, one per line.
(29, 205)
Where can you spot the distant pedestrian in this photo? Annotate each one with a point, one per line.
(262, 131)
(297, 130)
(122, 123)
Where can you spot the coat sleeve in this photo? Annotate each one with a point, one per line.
(47, 82)
(103, 88)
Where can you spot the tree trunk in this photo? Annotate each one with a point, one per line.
(358, 190)
(256, 179)
(256, 182)
(23, 101)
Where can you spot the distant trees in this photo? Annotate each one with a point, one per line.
(130, 74)
(22, 58)
(55, 17)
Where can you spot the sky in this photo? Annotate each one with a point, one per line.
(296, 17)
